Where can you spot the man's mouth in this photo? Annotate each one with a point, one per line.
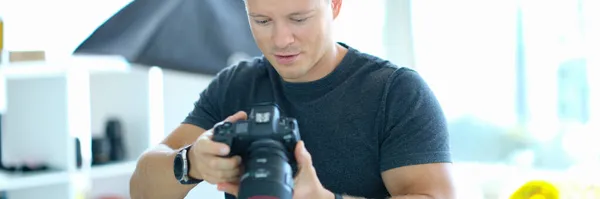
(286, 59)
(285, 55)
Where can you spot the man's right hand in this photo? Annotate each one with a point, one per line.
(207, 159)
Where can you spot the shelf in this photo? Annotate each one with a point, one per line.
(54, 67)
(10, 181)
(113, 170)
(35, 179)
(144, 99)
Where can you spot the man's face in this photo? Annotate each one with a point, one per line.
(292, 34)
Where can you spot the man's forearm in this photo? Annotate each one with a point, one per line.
(154, 178)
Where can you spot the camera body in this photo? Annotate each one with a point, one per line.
(264, 122)
(266, 143)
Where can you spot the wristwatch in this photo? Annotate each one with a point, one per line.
(181, 167)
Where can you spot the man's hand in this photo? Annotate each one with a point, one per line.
(207, 161)
(306, 183)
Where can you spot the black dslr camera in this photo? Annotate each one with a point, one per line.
(266, 143)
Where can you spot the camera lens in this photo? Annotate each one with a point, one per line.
(267, 172)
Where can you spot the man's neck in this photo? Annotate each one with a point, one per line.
(330, 60)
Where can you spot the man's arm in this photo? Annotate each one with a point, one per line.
(427, 181)
(153, 176)
(415, 157)
(415, 152)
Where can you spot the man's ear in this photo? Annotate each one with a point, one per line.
(336, 5)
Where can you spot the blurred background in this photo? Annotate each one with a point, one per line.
(519, 81)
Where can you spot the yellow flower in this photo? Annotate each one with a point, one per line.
(536, 189)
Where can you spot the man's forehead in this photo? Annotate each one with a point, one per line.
(259, 8)
(296, 13)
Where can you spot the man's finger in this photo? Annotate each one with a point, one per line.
(225, 163)
(206, 146)
(240, 115)
(229, 188)
(213, 179)
(207, 134)
(302, 156)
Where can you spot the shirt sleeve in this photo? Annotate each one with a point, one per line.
(415, 126)
(207, 109)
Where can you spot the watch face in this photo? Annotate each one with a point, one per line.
(178, 167)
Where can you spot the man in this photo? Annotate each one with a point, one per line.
(369, 129)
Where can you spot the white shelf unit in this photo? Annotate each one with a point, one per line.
(48, 104)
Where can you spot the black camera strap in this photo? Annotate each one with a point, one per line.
(263, 88)
(263, 92)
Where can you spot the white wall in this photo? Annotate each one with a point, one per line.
(457, 43)
(181, 90)
(360, 24)
(57, 26)
(398, 33)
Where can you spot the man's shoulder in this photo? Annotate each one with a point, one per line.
(396, 72)
(381, 69)
(237, 78)
(243, 70)
(398, 83)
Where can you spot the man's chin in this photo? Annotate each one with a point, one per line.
(287, 68)
(290, 75)
(290, 72)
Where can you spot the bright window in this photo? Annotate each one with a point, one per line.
(513, 68)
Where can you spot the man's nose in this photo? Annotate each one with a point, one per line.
(282, 35)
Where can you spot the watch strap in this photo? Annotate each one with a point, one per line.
(185, 155)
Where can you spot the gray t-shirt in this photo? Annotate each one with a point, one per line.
(366, 117)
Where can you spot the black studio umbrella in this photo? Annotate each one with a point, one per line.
(199, 36)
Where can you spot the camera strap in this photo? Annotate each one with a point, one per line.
(263, 87)
(263, 92)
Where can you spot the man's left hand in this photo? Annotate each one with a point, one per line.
(306, 182)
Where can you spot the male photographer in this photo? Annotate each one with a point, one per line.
(369, 129)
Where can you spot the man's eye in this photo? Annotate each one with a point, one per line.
(261, 21)
(299, 20)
